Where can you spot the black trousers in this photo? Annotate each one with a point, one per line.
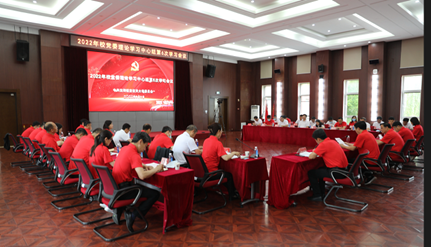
(150, 194)
(316, 179)
(229, 184)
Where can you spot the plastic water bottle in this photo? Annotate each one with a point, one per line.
(61, 135)
(142, 155)
(118, 148)
(353, 127)
(288, 124)
(197, 142)
(256, 152)
(68, 134)
(171, 158)
(348, 139)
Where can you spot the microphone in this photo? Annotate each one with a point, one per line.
(251, 156)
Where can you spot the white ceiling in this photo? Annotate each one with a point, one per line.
(228, 30)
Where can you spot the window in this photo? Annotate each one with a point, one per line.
(411, 86)
(351, 98)
(303, 98)
(266, 99)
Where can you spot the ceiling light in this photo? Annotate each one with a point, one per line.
(369, 42)
(344, 45)
(34, 1)
(250, 46)
(233, 43)
(354, 25)
(269, 57)
(158, 18)
(285, 54)
(249, 39)
(339, 19)
(252, 1)
(329, 31)
(171, 30)
(186, 24)
(417, 1)
(313, 24)
(143, 24)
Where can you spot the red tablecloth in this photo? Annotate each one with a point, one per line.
(177, 190)
(291, 135)
(201, 134)
(245, 172)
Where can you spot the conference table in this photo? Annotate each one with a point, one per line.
(292, 135)
(177, 188)
(201, 134)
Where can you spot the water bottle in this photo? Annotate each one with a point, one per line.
(256, 152)
(61, 135)
(118, 148)
(142, 155)
(171, 158)
(348, 139)
(288, 124)
(68, 134)
(197, 142)
(353, 127)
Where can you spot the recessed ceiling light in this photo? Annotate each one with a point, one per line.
(143, 24)
(344, 45)
(171, 30)
(339, 19)
(285, 54)
(233, 43)
(158, 18)
(329, 31)
(252, 1)
(313, 24)
(369, 42)
(417, 1)
(249, 39)
(354, 25)
(34, 1)
(269, 57)
(186, 24)
(250, 46)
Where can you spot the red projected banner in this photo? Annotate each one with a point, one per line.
(128, 83)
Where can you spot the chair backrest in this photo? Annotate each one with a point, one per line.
(196, 163)
(354, 169)
(160, 153)
(48, 156)
(419, 142)
(15, 143)
(111, 145)
(29, 144)
(61, 166)
(108, 183)
(145, 154)
(84, 171)
(383, 156)
(124, 143)
(42, 151)
(406, 147)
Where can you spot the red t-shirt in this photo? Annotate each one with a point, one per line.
(332, 154)
(270, 122)
(82, 151)
(352, 123)
(161, 140)
(288, 120)
(80, 126)
(101, 157)
(57, 137)
(68, 146)
(406, 134)
(33, 134)
(212, 150)
(127, 160)
(393, 137)
(366, 142)
(337, 124)
(418, 131)
(27, 133)
(111, 132)
(88, 131)
(40, 135)
(49, 141)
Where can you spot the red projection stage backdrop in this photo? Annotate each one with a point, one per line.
(128, 83)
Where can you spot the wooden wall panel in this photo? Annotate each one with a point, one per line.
(196, 87)
(247, 94)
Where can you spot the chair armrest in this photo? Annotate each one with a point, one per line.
(399, 154)
(92, 184)
(145, 184)
(207, 177)
(341, 172)
(118, 193)
(66, 175)
(215, 172)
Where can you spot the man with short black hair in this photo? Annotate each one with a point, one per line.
(269, 121)
(365, 120)
(122, 135)
(333, 156)
(257, 121)
(87, 127)
(82, 121)
(70, 144)
(407, 124)
(391, 136)
(283, 121)
(313, 122)
(186, 143)
(378, 122)
(29, 130)
(127, 164)
(340, 125)
(146, 128)
(48, 138)
(82, 151)
(302, 121)
(331, 122)
(163, 140)
(391, 120)
(405, 133)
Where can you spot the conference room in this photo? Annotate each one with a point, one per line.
(209, 123)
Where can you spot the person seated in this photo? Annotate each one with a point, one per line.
(82, 151)
(129, 165)
(87, 127)
(313, 122)
(82, 121)
(319, 124)
(333, 157)
(146, 128)
(49, 137)
(283, 121)
(405, 133)
(70, 143)
(212, 151)
(391, 136)
(269, 121)
(163, 140)
(34, 133)
(302, 121)
(185, 143)
(122, 135)
(340, 125)
(59, 135)
(40, 135)
(108, 125)
(29, 130)
(365, 120)
(274, 117)
(331, 122)
(353, 121)
(407, 124)
(99, 152)
(378, 122)
(391, 120)
(257, 121)
(418, 131)
(365, 142)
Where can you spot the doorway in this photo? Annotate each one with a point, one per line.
(217, 111)
(9, 114)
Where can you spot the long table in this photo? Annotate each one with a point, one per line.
(292, 135)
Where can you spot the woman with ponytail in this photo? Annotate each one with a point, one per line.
(99, 153)
(108, 125)
(212, 151)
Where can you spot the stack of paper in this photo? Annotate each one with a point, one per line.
(340, 141)
(304, 154)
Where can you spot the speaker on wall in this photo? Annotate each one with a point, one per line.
(320, 68)
(277, 71)
(210, 71)
(22, 50)
(374, 61)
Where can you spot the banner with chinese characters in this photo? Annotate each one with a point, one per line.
(119, 82)
(110, 45)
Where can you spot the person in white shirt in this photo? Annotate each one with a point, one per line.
(302, 122)
(257, 121)
(407, 124)
(283, 122)
(365, 120)
(331, 122)
(186, 143)
(313, 121)
(122, 135)
(377, 124)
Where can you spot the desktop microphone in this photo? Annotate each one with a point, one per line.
(251, 156)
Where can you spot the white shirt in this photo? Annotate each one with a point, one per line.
(303, 123)
(377, 125)
(121, 135)
(331, 123)
(183, 143)
(258, 122)
(312, 124)
(408, 125)
(368, 125)
(284, 123)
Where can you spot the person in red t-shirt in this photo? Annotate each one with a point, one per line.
(365, 142)
(99, 152)
(49, 139)
(354, 120)
(108, 125)
(391, 136)
(129, 165)
(161, 140)
(33, 134)
(340, 124)
(70, 143)
(405, 133)
(269, 121)
(212, 151)
(418, 131)
(391, 121)
(333, 156)
(58, 133)
(82, 151)
(29, 130)
(146, 128)
(39, 136)
(82, 121)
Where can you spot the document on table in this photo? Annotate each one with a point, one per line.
(154, 164)
(340, 141)
(304, 154)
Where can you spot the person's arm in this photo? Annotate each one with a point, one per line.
(227, 157)
(198, 151)
(348, 146)
(112, 163)
(312, 156)
(379, 142)
(143, 174)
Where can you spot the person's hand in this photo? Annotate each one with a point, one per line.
(159, 168)
(236, 153)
